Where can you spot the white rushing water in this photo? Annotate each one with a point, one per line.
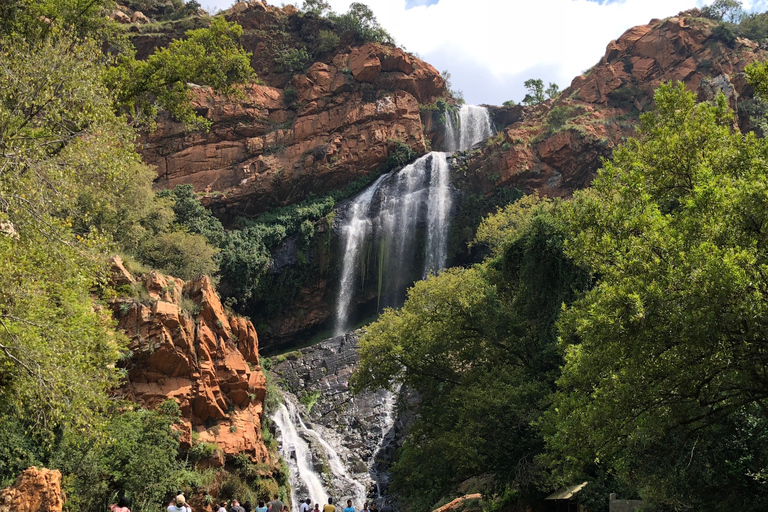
(471, 125)
(382, 230)
(475, 126)
(317, 470)
(353, 232)
(297, 453)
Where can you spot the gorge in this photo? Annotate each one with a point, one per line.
(199, 213)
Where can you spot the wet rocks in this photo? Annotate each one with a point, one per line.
(365, 425)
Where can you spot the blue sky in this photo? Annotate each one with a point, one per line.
(491, 47)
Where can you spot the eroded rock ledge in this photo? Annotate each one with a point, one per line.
(186, 347)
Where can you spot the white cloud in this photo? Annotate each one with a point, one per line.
(492, 46)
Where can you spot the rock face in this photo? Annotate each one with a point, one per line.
(603, 105)
(365, 426)
(185, 347)
(310, 132)
(36, 490)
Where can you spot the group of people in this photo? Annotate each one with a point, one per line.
(306, 506)
(179, 504)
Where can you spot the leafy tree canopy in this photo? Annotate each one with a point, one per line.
(668, 346)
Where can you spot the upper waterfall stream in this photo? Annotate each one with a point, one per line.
(399, 225)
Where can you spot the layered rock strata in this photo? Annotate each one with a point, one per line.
(186, 347)
(311, 132)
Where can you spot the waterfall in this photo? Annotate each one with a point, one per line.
(317, 470)
(296, 452)
(475, 125)
(403, 218)
(353, 233)
(452, 135)
(438, 207)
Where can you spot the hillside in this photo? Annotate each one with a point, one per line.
(556, 147)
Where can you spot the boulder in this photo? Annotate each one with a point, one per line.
(121, 17)
(139, 18)
(35, 490)
(119, 275)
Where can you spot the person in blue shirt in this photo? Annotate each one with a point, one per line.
(349, 508)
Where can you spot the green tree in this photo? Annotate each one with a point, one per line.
(193, 216)
(553, 90)
(319, 7)
(479, 346)
(361, 21)
(535, 93)
(724, 10)
(208, 56)
(667, 347)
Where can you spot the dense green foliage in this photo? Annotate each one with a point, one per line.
(359, 20)
(666, 349)
(734, 21)
(616, 338)
(207, 56)
(72, 191)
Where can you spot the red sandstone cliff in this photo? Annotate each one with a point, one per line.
(309, 132)
(185, 347)
(604, 103)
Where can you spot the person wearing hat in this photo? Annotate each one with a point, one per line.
(179, 504)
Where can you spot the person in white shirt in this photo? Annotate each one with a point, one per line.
(179, 504)
(305, 506)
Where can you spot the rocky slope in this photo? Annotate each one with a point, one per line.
(365, 428)
(294, 134)
(557, 146)
(185, 347)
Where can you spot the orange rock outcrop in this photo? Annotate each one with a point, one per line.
(604, 103)
(36, 490)
(187, 348)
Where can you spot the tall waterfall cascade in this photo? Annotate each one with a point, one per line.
(393, 233)
(399, 225)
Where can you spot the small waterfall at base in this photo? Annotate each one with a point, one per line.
(296, 452)
(340, 446)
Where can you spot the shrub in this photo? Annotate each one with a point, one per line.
(754, 26)
(724, 34)
(181, 254)
(400, 154)
(327, 40)
(361, 21)
(559, 116)
(310, 399)
(289, 96)
(293, 59)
